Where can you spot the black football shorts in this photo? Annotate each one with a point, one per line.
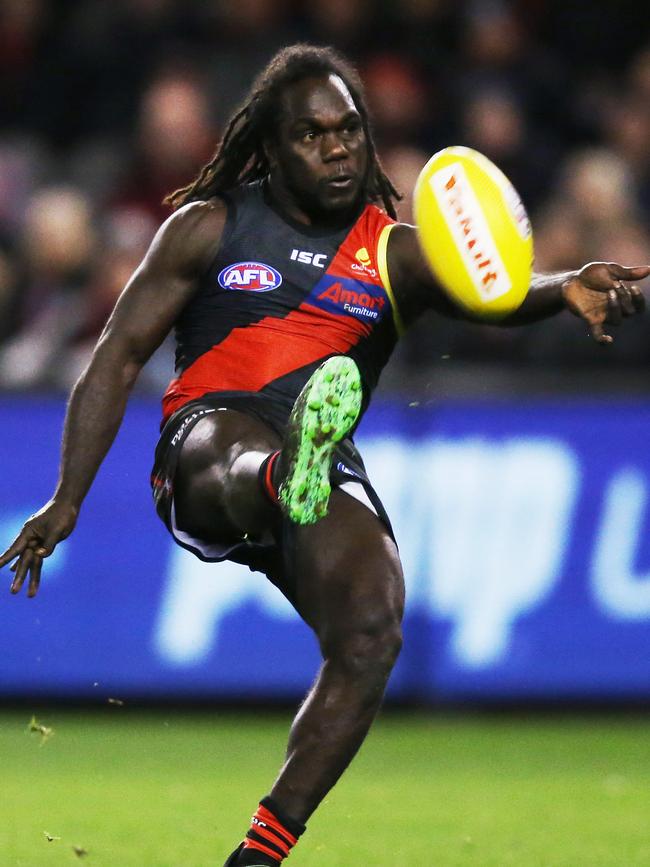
(348, 473)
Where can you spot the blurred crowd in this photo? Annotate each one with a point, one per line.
(108, 105)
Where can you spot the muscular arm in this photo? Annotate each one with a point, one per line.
(545, 298)
(144, 314)
(596, 292)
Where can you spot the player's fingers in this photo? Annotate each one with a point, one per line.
(34, 576)
(17, 547)
(625, 299)
(47, 544)
(638, 299)
(598, 334)
(614, 314)
(620, 272)
(21, 570)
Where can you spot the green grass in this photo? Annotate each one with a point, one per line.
(169, 789)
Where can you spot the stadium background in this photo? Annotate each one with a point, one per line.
(514, 462)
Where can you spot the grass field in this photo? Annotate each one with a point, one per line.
(170, 789)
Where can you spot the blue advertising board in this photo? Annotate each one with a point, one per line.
(523, 529)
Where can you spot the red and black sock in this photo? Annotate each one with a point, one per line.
(268, 476)
(271, 837)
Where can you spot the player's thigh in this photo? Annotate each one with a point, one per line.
(217, 469)
(349, 576)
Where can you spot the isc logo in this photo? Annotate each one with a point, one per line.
(250, 277)
(317, 259)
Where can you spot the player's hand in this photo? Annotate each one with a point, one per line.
(38, 538)
(603, 293)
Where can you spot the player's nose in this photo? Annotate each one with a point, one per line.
(333, 147)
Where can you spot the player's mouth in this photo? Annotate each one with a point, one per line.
(340, 182)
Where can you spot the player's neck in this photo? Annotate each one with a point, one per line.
(289, 208)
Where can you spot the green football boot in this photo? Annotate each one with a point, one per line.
(326, 409)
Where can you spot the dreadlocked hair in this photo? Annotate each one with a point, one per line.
(240, 157)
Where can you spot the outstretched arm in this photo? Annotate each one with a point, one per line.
(144, 314)
(598, 293)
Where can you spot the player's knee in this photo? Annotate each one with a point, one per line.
(369, 650)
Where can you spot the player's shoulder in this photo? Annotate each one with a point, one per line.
(374, 219)
(404, 234)
(405, 254)
(368, 232)
(191, 235)
(413, 284)
(201, 216)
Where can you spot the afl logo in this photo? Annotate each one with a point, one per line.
(250, 277)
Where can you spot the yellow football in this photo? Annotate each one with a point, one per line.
(474, 232)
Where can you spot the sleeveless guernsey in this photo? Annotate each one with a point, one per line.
(278, 300)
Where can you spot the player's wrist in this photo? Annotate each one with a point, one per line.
(67, 500)
(566, 280)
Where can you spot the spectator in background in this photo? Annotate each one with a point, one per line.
(493, 122)
(126, 235)
(508, 99)
(558, 237)
(11, 288)
(625, 126)
(403, 164)
(404, 110)
(398, 100)
(59, 244)
(593, 201)
(592, 209)
(174, 136)
(349, 24)
(97, 59)
(23, 26)
(238, 38)
(24, 167)
(118, 101)
(639, 74)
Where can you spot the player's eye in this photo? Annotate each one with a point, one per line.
(309, 136)
(352, 127)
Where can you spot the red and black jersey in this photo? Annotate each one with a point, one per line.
(279, 299)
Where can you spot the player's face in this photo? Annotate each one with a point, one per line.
(319, 157)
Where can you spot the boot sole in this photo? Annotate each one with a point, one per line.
(325, 411)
